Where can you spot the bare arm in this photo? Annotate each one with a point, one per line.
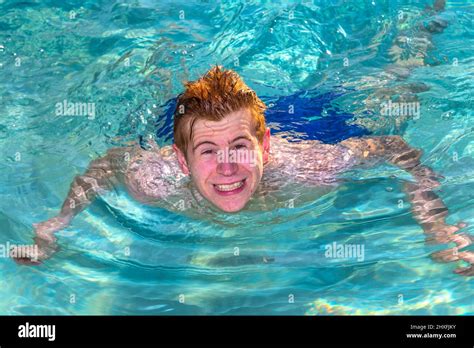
(427, 207)
(103, 174)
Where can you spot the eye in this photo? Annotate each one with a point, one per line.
(240, 146)
(207, 152)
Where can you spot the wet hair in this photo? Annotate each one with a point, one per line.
(212, 97)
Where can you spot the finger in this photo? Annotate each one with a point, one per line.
(438, 238)
(462, 240)
(465, 271)
(26, 261)
(449, 255)
(467, 256)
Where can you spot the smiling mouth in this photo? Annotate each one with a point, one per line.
(234, 188)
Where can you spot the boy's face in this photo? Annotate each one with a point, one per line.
(225, 159)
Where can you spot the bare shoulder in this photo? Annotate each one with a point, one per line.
(153, 174)
(372, 146)
(309, 161)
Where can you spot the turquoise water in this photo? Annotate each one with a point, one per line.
(129, 59)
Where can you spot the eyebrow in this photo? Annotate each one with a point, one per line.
(211, 143)
(241, 137)
(202, 143)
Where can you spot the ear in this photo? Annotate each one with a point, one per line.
(266, 145)
(183, 164)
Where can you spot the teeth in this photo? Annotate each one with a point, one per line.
(230, 187)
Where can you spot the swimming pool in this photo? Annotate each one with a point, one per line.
(128, 59)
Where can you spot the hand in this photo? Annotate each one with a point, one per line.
(43, 249)
(45, 241)
(453, 254)
(444, 233)
(468, 271)
(441, 232)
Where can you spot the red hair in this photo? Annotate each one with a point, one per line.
(212, 97)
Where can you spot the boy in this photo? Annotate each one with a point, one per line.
(223, 153)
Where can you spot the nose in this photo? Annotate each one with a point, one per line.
(227, 169)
